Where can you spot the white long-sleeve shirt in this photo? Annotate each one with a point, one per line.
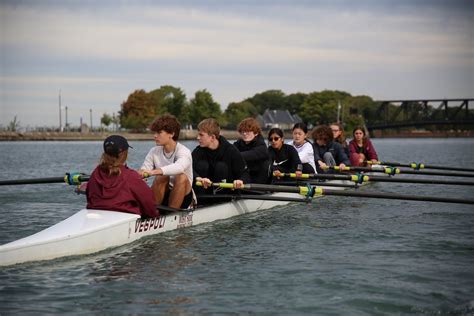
(180, 161)
(306, 153)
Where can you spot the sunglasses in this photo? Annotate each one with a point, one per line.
(274, 139)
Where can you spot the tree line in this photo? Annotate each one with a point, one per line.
(141, 107)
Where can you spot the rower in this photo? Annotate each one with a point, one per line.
(340, 137)
(361, 148)
(215, 159)
(283, 157)
(113, 186)
(171, 164)
(253, 149)
(303, 147)
(327, 153)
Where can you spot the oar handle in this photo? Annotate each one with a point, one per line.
(294, 175)
(222, 185)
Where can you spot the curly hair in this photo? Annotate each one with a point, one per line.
(168, 123)
(249, 124)
(322, 132)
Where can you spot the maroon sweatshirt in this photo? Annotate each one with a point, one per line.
(126, 192)
(367, 149)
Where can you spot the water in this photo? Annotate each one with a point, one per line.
(335, 256)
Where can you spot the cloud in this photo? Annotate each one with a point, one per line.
(176, 34)
(100, 53)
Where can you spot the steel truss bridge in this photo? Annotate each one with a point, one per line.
(396, 114)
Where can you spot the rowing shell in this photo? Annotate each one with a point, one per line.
(90, 231)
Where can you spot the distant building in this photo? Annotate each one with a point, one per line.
(279, 119)
(84, 128)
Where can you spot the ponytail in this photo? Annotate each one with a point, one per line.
(113, 164)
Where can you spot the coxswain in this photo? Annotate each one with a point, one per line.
(113, 186)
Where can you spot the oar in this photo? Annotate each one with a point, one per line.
(250, 197)
(394, 171)
(317, 182)
(311, 191)
(69, 178)
(359, 178)
(418, 166)
(257, 196)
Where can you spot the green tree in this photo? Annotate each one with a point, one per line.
(168, 99)
(236, 112)
(106, 119)
(319, 108)
(137, 112)
(203, 106)
(295, 101)
(270, 99)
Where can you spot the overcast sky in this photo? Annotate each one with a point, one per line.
(98, 52)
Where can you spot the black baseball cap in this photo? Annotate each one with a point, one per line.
(115, 144)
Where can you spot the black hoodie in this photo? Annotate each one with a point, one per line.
(226, 153)
(256, 156)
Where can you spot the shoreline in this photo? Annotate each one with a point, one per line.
(192, 135)
(97, 136)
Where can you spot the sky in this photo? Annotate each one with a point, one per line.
(95, 53)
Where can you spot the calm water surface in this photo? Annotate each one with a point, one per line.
(336, 256)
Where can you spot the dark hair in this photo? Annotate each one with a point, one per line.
(301, 126)
(275, 130)
(249, 124)
(321, 132)
(361, 128)
(168, 123)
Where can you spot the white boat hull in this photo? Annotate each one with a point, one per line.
(90, 231)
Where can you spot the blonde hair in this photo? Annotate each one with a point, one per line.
(113, 164)
(210, 126)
